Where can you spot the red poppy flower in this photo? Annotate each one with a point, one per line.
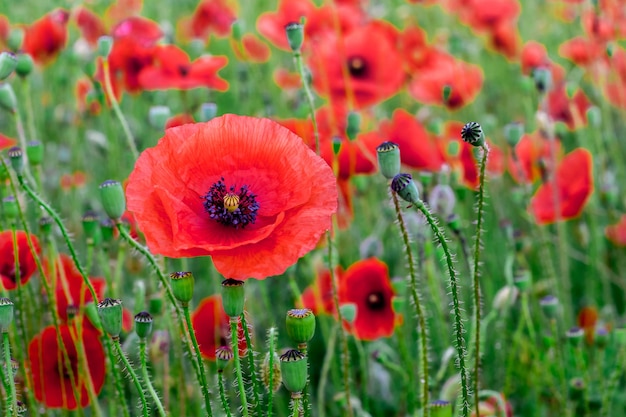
(319, 296)
(582, 51)
(368, 56)
(210, 17)
(414, 48)
(173, 69)
(616, 233)
(572, 112)
(90, 25)
(287, 80)
(75, 180)
(505, 39)
(70, 290)
(123, 9)
(211, 326)
(366, 284)
(179, 120)
(251, 49)
(85, 97)
(534, 55)
(5, 29)
(272, 24)
(233, 188)
(574, 185)
(533, 154)
(587, 319)
(486, 15)
(464, 81)
(51, 380)
(46, 37)
(6, 142)
(26, 259)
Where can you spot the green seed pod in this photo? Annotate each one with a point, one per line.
(472, 133)
(113, 199)
(9, 207)
(294, 370)
(106, 230)
(295, 36)
(601, 338)
(404, 185)
(15, 40)
(233, 297)
(577, 388)
(236, 30)
(575, 336)
(543, 79)
(110, 312)
(8, 62)
(523, 279)
(158, 115)
(105, 44)
(35, 152)
(8, 101)
(348, 312)
(454, 222)
(143, 324)
(155, 305)
(223, 356)
(300, 324)
(182, 286)
(16, 157)
(440, 408)
(25, 65)
(550, 306)
(45, 225)
(513, 132)
(6, 314)
(208, 111)
(388, 155)
(91, 226)
(353, 125)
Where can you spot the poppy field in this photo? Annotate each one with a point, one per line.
(313, 208)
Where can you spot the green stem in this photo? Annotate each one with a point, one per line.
(476, 274)
(297, 56)
(419, 311)
(613, 383)
(235, 346)
(133, 376)
(108, 87)
(272, 352)
(458, 323)
(328, 358)
(119, 383)
(197, 357)
(220, 382)
(295, 404)
(252, 365)
(146, 377)
(12, 397)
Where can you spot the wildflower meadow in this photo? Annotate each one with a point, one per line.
(312, 208)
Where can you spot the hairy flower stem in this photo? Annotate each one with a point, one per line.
(328, 358)
(223, 399)
(252, 365)
(146, 377)
(295, 404)
(272, 352)
(11, 400)
(419, 311)
(235, 346)
(108, 87)
(475, 274)
(297, 56)
(120, 397)
(121, 356)
(197, 357)
(458, 323)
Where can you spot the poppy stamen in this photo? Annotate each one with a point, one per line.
(231, 208)
(376, 301)
(183, 70)
(357, 66)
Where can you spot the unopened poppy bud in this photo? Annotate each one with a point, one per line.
(113, 199)
(276, 376)
(294, 370)
(353, 125)
(6, 314)
(16, 157)
(442, 199)
(106, 229)
(35, 152)
(575, 335)
(223, 356)
(105, 44)
(295, 36)
(233, 297)
(8, 101)
(92, 313)
(45, 225)
(472, 133)
(577, 388)
(182, 286)
(336, 144)
(300, 325)
(8, 62)
(601, 338)
(158, 115)
(9, 208)
(91, 226)
(440, 408)
(235, 30)
(513, 132)
(15, 39)
(446, 92)
(388, 155)
(543, 79)
(550, 306)
(505, 297)
(406, 188)
(110, 312)
(143, 324)
(348, 312)
(25, 65)
(522, 279)
(594, 115)
(610, 50)
(208, 111)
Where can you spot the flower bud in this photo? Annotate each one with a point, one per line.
(513, 132)
(110, 312)
(208, 111)
(575, 336)
(155, 305)
(16, 157)
(472, 133)
(276, 376)
(6, 314)
(543, 79)
(8, 101)
(300, 324)
(158, 115)
(233, 297)
(505, 297)
(223, 356)
(92, 313)
(295, 36)
(8, 62)
(25, 65)
(294, 370)
(353, 125)
(610, 50)
(550, 306)
(235, 30)
(522, 279)
(113, 199)
(35, 152)
(91, 226)
(45, 225)
(601, 338)
(348, 312)
(15, 39)
(440, 408)
(105, 44)
(336, 145)
(143, 324)
(577, 388)
(388, 155)
(404, 185)
(182, 286)
(106, 230)
(454, 223)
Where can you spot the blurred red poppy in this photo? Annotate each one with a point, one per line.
(319, 296)
(232, 188)
(534, 55)
(359, 69)
(211, 326)
(173, 69)
(75, 180)
(86, 101)
(574, 185)
(532, 156)
(210, 17)
(46, 37)
(7, 142)
(571, 111)
(587, 319)
(52, 380)
(367, 285)
(251, 49)
(179, 120)
(272, 24)
(26, 260)
(616, 233)
(287, 80)
(582, 51)
(90, 25)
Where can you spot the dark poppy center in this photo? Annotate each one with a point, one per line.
(229, 206)
(183, 70)
(63, 370)
(8, 271)
(357, 66)
(376, 301)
